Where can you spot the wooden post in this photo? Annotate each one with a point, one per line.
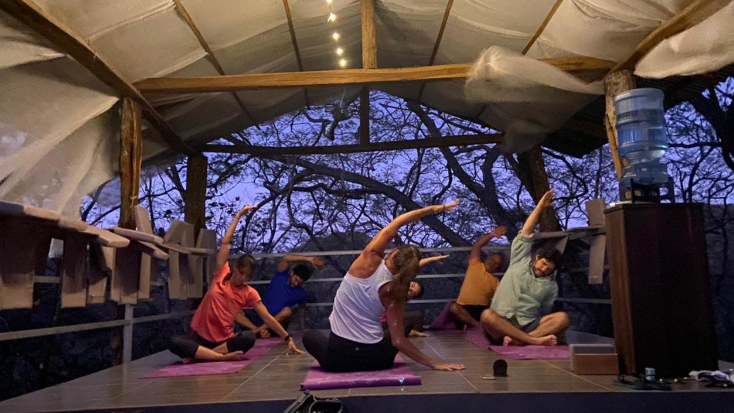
(615, 83)
(536, 180)
(369, 43)
(195, 203)
(131, 156)
(369, 61)
(364, 116)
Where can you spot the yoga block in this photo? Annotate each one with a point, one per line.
(584, 364)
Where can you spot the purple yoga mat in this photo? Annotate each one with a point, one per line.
(444, 320)
(179, 369)
(399, 375)
(476, 337)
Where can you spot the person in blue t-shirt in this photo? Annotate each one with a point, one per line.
(284, 293)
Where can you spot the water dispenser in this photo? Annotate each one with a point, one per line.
(643, 141)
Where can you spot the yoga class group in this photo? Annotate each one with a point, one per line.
(368, 324)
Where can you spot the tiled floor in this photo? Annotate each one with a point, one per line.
(277, 377)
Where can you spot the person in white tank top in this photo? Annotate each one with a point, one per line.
(373, 284)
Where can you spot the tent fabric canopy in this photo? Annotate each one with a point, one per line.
(59, 125)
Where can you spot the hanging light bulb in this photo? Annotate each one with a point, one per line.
(343, 63)
(339, 51)
(335, 36)
(332, 18)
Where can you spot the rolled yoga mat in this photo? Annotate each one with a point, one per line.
(398, 375)
(476, 336)
(211, 368)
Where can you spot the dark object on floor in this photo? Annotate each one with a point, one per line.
(640, 383)
(500, 368)
(307, 403)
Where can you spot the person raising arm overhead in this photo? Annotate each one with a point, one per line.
(479, 283)
(212, 336)
(373, 284)
(520, 313)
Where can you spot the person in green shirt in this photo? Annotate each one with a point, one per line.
(520, 313)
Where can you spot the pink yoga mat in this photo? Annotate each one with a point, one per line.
(476, 337)
(399, 375)
(179, 369)
(445, 320)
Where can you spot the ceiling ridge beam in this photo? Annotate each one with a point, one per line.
(294, 42)
(687, 17)
(540, 30)
(33, 16)
(212, 58)
(447, 141)
(432, 59)
(254, 81)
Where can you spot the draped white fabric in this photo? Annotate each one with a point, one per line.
(59, 124)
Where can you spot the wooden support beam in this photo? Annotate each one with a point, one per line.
(195, 202)
(364, 116)
(542, 26)
(30, 14)
(615, 83)
(586, 127)
(340, 77)
(131, 157)
(446, 13)
(369, 40)
(446, 141)
(212, 58)
(696, 12)
(369, 61)
(535, 179)
(294, 42)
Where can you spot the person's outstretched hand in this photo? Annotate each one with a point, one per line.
(448, 366)
(292, 349)
(317, 262)
(547, 199)
(499, 232)
(246, 210)
(447, 207)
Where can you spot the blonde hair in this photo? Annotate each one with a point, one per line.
(407, 261)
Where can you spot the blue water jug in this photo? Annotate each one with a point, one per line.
(643, 139)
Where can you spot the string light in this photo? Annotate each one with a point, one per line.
(335, 35)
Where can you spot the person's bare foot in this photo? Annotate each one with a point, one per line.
(264, 333)
(235, 355)
(509, 341)
(188, 360)
(549, 340)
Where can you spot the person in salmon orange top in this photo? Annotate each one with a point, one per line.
(212, 336)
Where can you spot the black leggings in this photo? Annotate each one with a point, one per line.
(186, 346)
(337, 354)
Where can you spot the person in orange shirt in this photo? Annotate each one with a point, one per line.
(479, 284)
(212, 336)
